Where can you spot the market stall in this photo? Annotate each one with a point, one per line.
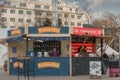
(84, 45)
(44, 51)
(55, 51)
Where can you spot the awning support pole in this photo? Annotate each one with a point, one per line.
(26, 46)
(109, 43)
(101, 43)
(70, 56)
(106, 45)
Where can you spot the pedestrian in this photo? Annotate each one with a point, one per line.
(105, 62)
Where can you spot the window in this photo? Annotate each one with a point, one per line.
(48, 14)
(12, 11)
(20, 26)
(33, 0)
(72, 16)
(78, 17)
(66, 15)
(20, 11)
(3, 26)
(22, 5)
(12, 19)
(12, 26)
(66, 23)
(20, 20)
(4, 19)
(37, 6)
(38, 13)
(78, 24)
(14, 50)
(4, 10)
(28, 20)
(70, 9)
(6, 2)
(28, 12)
(60, 8)
(76, 10)
(59, 15)
(72, 23)
(46, 7)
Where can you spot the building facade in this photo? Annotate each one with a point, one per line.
(20, 13)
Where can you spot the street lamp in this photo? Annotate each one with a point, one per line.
(55, 14)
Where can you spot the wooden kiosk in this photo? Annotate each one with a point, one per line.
(29, 54)
(84, 44)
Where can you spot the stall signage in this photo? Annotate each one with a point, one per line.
(18, 65)
(49, 29)
(15, 32)
(89, 49)
(90, 31)
(49, 64)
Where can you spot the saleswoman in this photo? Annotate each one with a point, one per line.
(55, 53)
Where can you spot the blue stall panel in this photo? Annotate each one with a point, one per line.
(62, 70)
(13, 69)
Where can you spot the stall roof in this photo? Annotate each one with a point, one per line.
(49, 38)
(45, 37)
(35, 37)
(12, 39)
(48, 35)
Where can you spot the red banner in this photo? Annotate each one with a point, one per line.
(90, 31)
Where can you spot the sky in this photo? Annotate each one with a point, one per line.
(105, 5)
(99, 5)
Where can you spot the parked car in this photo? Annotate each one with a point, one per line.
(5, 66)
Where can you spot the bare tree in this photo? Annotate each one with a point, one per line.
(110, 22)
(85, 7)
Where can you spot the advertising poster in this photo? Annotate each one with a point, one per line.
(95, 69)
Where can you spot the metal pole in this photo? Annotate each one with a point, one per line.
(101, 43)
(26, 46)
(18, 68)
(28, 60)
(55, 14)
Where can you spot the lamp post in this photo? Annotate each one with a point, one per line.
(55, 14)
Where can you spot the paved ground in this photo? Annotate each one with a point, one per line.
(5, 76)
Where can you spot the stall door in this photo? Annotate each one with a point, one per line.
(83, 66)
(80, 65)
(74, 66)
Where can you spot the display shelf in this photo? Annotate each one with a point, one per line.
(47, 46)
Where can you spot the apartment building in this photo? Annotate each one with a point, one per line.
(26, 13)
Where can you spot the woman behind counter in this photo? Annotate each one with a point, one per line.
(54, 53)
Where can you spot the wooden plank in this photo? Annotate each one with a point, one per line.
(70, 55)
